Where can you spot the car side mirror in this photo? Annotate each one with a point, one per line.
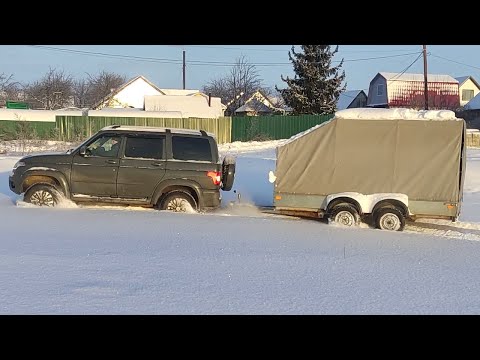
(83, 150)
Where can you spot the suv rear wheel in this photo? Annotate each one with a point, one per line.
(178, 201)
(42, 195)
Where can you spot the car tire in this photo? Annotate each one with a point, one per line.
(344, 214)
(389, 218)
(42, 195)
(178, 201)
(228, 172)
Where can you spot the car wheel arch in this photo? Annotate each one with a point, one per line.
(57, 180)
(176, 185)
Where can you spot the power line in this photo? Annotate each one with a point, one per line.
(232, 48)
(193, 62)
(456, 62)
(380, 57)
(404, 70)
(94, 53)
(283, 50)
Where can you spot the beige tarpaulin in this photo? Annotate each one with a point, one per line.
(419, 158)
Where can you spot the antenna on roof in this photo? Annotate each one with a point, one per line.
(203, 132)
(115, 126)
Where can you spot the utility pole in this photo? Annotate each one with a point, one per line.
(425, 75)
(184, 69)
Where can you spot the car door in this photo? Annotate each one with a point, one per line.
(95, 172)
(142, 167)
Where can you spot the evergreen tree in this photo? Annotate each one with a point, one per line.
(317, 85)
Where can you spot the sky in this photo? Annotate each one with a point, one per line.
(162, 64)
(237, 260)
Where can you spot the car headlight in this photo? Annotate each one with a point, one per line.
(18, 164)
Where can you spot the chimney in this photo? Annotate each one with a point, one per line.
(210, 99)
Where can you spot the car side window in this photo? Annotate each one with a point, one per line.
(145, 147)
(191, 148)
(104, 146)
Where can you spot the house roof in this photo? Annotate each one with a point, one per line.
(346, 98)
(417, 77)
(121, 87)
(462, 79)
(473, 104)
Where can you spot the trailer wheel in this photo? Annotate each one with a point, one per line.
(389, 218)
(345, 214)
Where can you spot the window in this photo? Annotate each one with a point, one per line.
(104, 146)
(467, 95)
(380, 89)
(191, 148)
(150, 147)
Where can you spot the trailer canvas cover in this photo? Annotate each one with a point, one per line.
(417, 153)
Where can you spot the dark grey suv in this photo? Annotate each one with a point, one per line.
(165, 168)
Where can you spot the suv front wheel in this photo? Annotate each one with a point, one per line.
(178, 201)
(42, 195)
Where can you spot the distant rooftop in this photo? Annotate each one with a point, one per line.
(462, 79)
(418, 77)
(346, 98)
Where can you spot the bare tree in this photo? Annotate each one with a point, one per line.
(102, 84)
(237, 86)
(9, 89)
(53, 91)
(81, 93)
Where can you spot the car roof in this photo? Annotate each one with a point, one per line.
(149, 129)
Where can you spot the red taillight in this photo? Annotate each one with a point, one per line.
(216, 176)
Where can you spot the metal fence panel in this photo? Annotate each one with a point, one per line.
(75, 128)
(11, 129)
(273, 127)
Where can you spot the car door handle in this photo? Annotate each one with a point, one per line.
(157, 164)
(111, 161)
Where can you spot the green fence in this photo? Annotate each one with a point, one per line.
(74, 128)
(274, 127)
(226, 129)
(14, 129)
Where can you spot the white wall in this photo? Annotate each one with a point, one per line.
(133, 94)
(189, 106)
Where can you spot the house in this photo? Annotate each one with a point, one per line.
(259, 104)
(141, 94)
(129, 95)
(468, 89)
(408, 90)
(352, 99)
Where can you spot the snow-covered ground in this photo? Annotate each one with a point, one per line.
(237, 260)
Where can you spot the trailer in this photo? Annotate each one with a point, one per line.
(382, 166)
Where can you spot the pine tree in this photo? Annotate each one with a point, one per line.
(317, 85)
